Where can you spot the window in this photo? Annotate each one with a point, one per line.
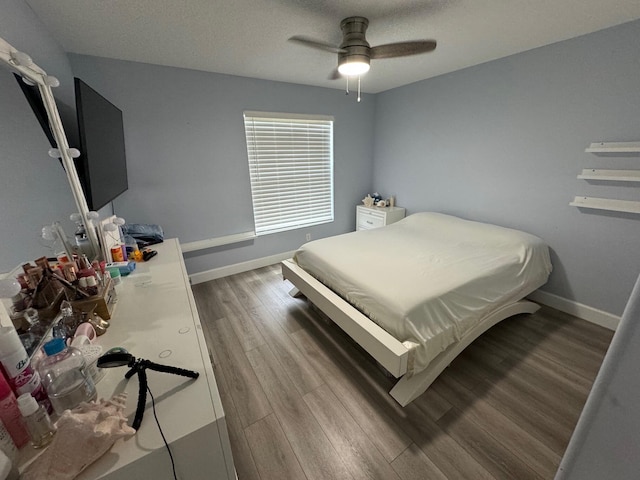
(291, 170)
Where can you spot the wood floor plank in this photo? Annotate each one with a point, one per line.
(440, 448)
(245, 389)
(413, 464)
(388, 438)
(207, 303)
(534, 453)
(351, 358)
(361, 457)
(242, 456)
(313, 449)
(272, 452)
(504, 409)
(515, 405)
(239, 284)
(232, 308)
(302, 374)
(559, 348)
(594, 336)
(563, 378)
(484, 448)
(528, 387)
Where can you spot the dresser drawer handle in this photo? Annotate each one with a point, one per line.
(369, 222)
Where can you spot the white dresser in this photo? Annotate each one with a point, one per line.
(374, 217)
(155, 318)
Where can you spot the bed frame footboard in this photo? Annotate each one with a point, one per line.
(408, 388)
(387, 350)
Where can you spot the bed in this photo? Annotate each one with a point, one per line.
(415, 293)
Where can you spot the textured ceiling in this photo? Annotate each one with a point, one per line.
(249, 37)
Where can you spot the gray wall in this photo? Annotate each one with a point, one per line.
(33, 187)
(186, 152)
(503, 142)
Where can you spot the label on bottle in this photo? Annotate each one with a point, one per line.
(34, 386)
(116, 254)
(24, 379)
(14, 363)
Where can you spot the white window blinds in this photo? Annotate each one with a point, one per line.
(291, 170)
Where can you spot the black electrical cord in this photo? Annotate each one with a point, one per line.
(155, 415)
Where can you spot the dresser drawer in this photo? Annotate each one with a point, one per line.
(367, 220)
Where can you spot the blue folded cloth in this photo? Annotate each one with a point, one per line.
(144, 234)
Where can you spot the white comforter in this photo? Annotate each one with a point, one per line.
(429, 278)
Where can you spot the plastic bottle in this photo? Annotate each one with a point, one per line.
(37, 421)
(65, 377)
(15, 363)
(10, 414)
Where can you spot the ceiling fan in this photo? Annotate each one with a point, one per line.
(355, 53)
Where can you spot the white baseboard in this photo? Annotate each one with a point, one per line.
(590, 314)
(215, 273)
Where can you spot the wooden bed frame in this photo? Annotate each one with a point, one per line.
(388, 351)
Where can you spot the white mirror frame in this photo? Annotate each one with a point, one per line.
(10, 57)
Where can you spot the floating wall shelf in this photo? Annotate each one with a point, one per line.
(611, 175)
(606, 204)
(614, 147)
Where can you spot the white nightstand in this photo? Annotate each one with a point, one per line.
(374, 217)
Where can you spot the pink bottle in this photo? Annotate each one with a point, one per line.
(10, 414)
(17, 369)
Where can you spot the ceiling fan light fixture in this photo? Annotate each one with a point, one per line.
(354, 68)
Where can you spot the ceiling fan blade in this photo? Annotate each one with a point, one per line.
(310, 42)
(402, 49)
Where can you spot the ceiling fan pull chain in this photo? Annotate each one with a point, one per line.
(347, 92)
(358, 88)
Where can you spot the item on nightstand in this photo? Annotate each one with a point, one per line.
(381, 203)
(368, 201)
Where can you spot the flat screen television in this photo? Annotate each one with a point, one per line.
(102, 166)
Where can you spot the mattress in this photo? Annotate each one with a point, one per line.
(429, 278)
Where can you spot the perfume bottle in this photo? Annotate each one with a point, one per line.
(36, 420)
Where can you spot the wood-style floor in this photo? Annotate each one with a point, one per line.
(303, 402)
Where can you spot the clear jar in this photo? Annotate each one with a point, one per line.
(65, 377)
